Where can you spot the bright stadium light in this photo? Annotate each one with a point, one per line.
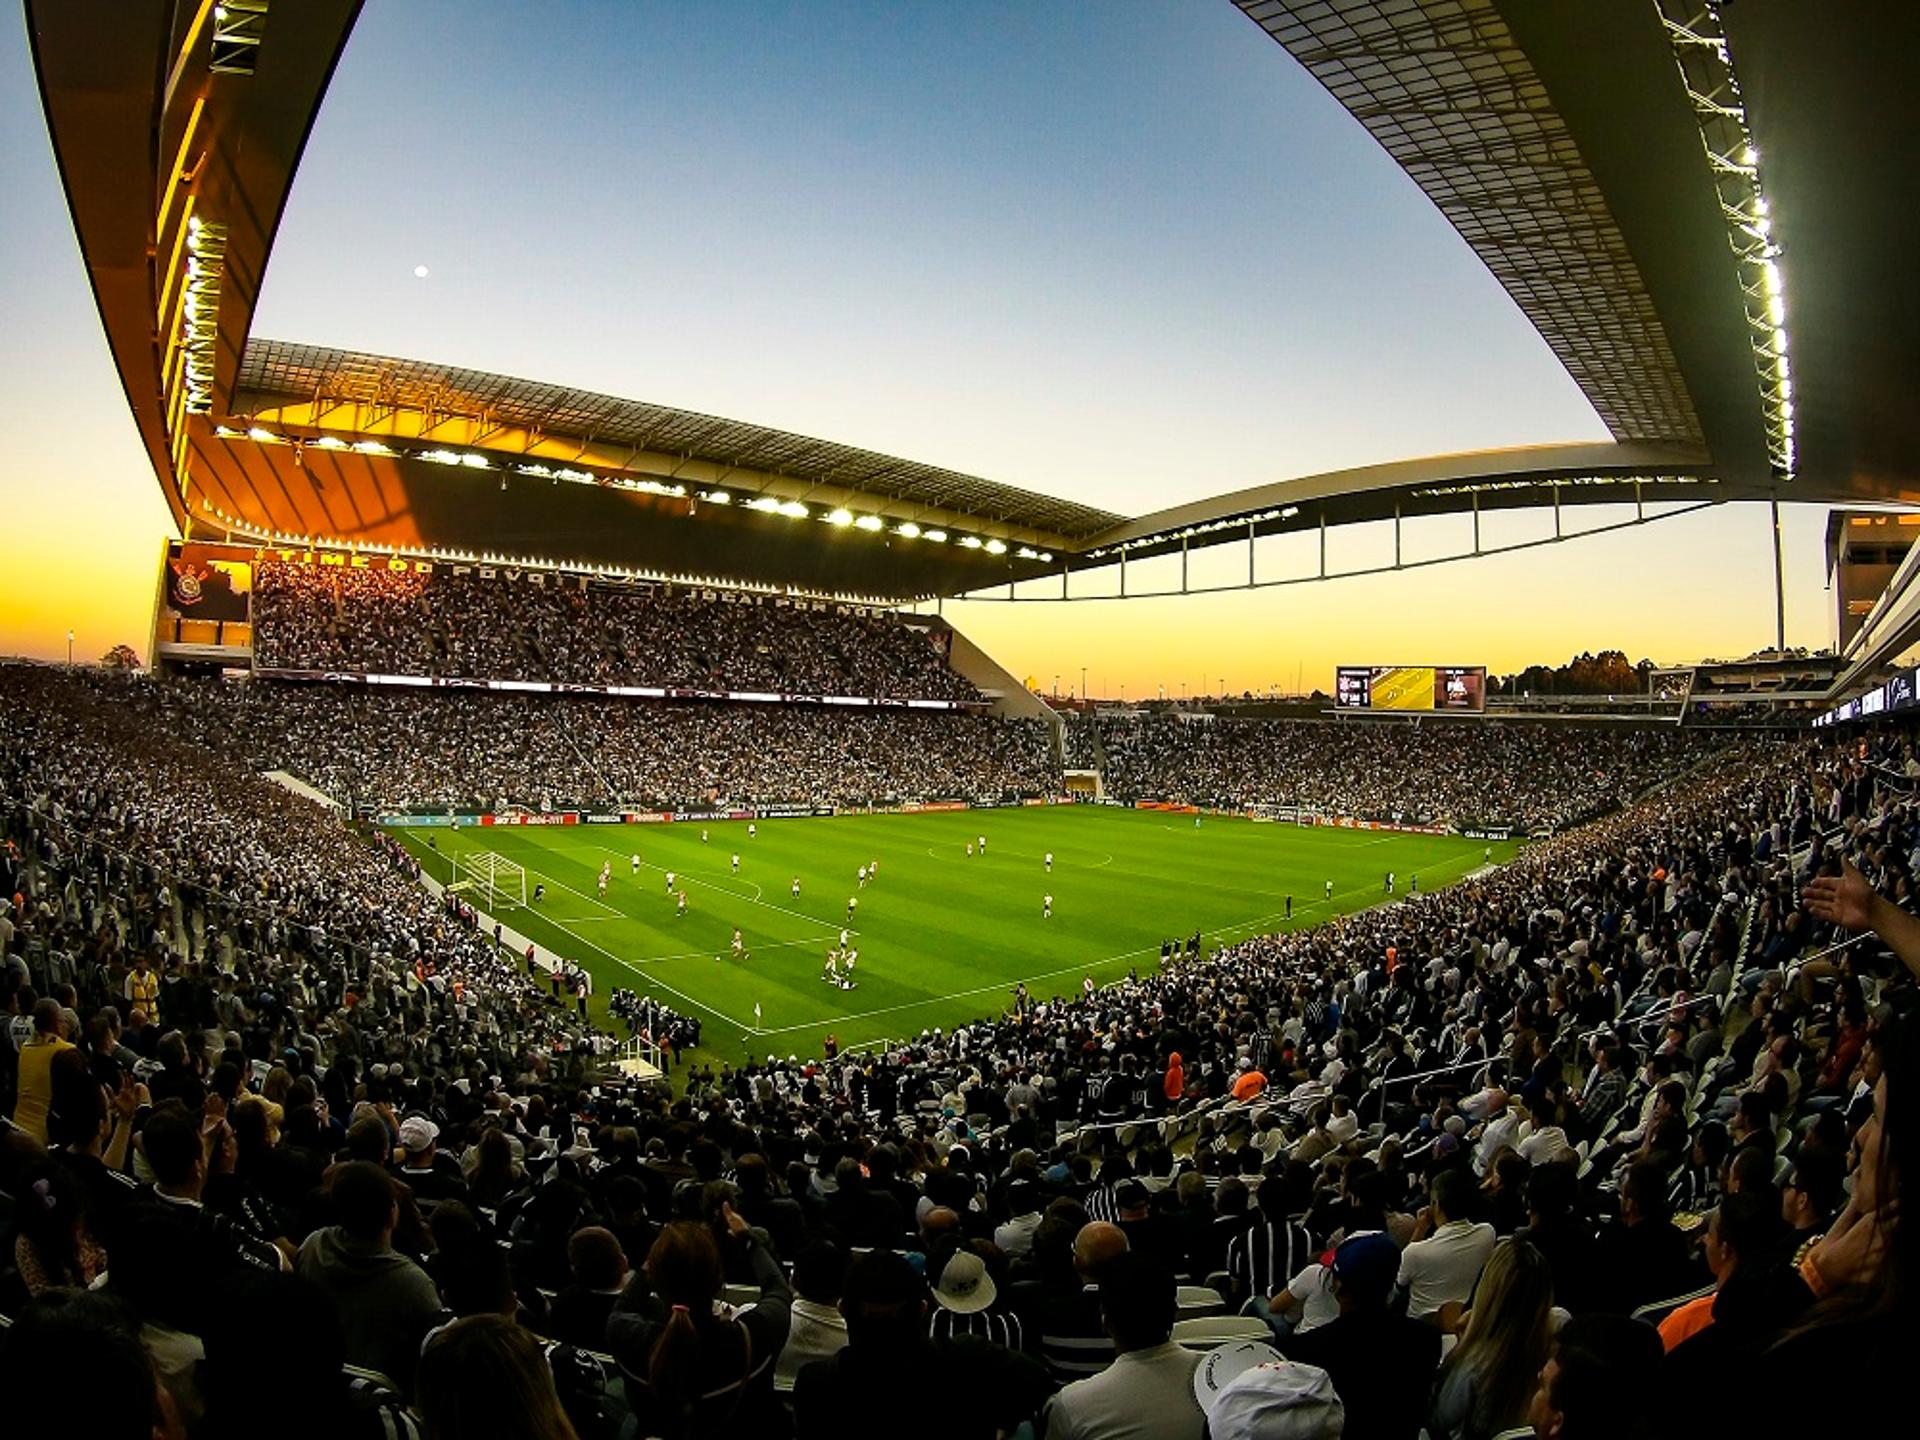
(256, 433)
(371, 447)
(938, 537)
(970, 542)
(908, 531)
(331, 442)
(473, 461)
(716, 497)
(869, 522)
(996, 547)
(839, 517)
(793, 510)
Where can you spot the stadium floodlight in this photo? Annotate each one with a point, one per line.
(256, 433)
(938, 537)
(766, 503)
(372, 447)
(793, 510)
(869, 522)
(996, 547)
(839, 517)
(970, 542)
(331, 442)
(716, 497)
(473, 461)
(908, 531)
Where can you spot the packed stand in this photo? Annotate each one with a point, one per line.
(1607, 1142)
(1532, 776)
(531, 625)
(401, 750)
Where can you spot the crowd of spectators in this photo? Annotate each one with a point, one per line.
(1531, 776)
(404, 750)
(287, 1140)
(533, 625)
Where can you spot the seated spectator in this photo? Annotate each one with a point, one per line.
(1073, 1340)
(1600, 1382)
(1644, 1257)
(1449, 1248)
(386, 1302)
(1487, 1382)
(1014, 1236)
(180, 1152)
(1147, 1392)
(818, 1329)
(1381, 1364)
(54, 1241)
(1274, 1247)
(892, 1376)
(1743, 1231)
(967, 1299)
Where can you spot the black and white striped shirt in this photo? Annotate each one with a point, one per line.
(1268, 1254)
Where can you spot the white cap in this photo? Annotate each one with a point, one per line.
(417, 1133)
(1278, 1400)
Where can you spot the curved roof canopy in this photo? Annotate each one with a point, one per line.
(1664, 223)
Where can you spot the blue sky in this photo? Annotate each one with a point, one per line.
(1129, 253)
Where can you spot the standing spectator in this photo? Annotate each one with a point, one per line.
(35, 1085)
(484, 1378)
(386, 1302)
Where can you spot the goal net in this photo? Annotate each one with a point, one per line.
(494, 880)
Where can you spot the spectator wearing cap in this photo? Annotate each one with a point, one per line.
(1147, 1392)
(817, 1330)
(1381, 1364)
(1449, 1248)
(1148, 1231)
(1248, 1392)
(431, 1176)
(386, 1302)
(1601, 1381)
(966, 1296)
(891, 1378)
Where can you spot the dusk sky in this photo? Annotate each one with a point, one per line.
(1127, 253)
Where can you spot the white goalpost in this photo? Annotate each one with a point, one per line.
(495, 881)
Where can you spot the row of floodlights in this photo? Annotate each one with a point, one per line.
(839, 517)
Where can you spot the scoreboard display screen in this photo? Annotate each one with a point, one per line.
(1411, 687)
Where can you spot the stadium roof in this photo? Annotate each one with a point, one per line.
(1664, 223)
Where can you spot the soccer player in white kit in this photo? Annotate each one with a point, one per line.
(603, 884)
(969, 849)
(846, 977)
(796, 887)
(845, 936)
(1046, 907)
(669, 882)
(983, 844)
(831, 973)
(752, 830)
(852, 901)
(739, 944)
(1049, 862)
(681, 908)
(736, 863)
(636, 862)
(863, 877)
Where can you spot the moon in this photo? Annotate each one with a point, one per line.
(419, 272)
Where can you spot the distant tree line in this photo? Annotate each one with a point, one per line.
(1607, 673)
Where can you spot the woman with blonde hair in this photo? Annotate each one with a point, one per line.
(1486, 1383)
(485, 1378)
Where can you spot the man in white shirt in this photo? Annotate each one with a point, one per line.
(1446, 1257)
(818, 1329)
(1147, 1393)
(1546, 1142)
(1015, 1237)
(1501, 1130)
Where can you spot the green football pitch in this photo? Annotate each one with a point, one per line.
(942, 936)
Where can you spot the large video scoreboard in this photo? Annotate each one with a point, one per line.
(1411, 687)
